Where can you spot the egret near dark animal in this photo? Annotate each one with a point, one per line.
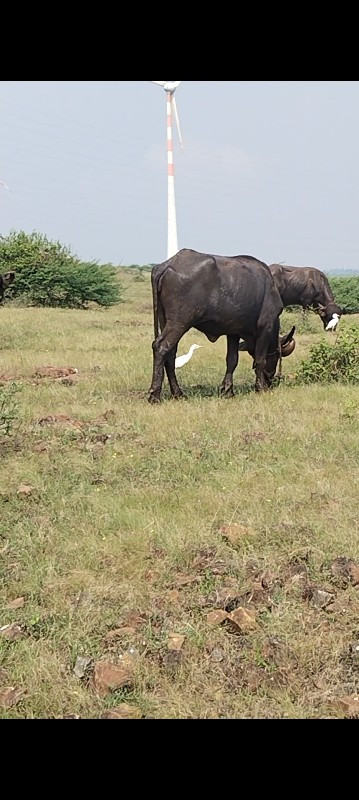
(234, 297)
(182, 360)
(333, 323)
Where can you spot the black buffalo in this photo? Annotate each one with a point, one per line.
(220, 296)
(5, 281)
(307, 287)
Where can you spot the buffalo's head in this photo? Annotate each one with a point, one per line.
(326, 312)
(5, 281)
(287, 345)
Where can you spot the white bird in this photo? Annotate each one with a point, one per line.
(181, 360)
(332, 324)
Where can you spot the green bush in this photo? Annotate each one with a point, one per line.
(346, 293)
(330, 362)
(47, 274)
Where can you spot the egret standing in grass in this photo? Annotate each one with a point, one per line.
(333, 323)
(182, 360)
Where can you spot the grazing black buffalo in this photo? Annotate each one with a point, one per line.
(307, 287)
(220, 296)
(5, 281)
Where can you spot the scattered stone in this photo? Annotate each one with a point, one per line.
(174, 596)
(81, 665)
(242, 620)
(117, 633)
(123, 711)
(25, 489)
(175, 642)
(19, 602)
(134, 619)
(10, 696)
(185, 580)
(337, 607)
(319, 598)
(40, 447)
(61, 419)
(348, 705)
(354, 652)
(217, 655)
(12, 632)
(345, 568)
(217, 617)
(109, 677)
(172, 660)
(54, 372)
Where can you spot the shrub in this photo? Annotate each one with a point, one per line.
(330, 362)
(47, 274)
(346, 293)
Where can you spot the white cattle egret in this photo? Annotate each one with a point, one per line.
(333, 323)
(181, 360)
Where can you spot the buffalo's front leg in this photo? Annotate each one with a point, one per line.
(226, 388)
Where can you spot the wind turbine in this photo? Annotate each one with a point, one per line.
(170, 88)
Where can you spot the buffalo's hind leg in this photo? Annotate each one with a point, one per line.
(164, 350)
(176, 390)
(226, 388)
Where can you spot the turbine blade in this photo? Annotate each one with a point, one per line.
(177, 121)
(160, 83)
(176, 84)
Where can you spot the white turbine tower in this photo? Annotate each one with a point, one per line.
(170, 88)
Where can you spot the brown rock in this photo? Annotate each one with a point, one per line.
(25, 489)
(19, 602)
(109, 677)
(217, 617)
(175, 642)
(337, 607)
(123, 711)
(174, 596)
(346, 568)
(12, 632)
(319, 598)
(242, 620)
(134, 619)
(10, 696)
(185, 580)
(127, 630)
(81, 666)
(348, 705)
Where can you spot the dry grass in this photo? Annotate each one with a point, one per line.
(110, 527)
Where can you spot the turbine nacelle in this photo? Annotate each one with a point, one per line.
(168, 86)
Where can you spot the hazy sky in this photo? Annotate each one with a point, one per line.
(269, 169)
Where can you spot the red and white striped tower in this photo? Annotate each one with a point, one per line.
(172, 241)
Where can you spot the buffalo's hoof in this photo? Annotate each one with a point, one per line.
(153, 400)
(226, 393)
(179, 396)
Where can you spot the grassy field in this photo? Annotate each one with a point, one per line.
(125, 526)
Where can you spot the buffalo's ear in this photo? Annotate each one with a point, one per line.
(243, 347)
(321, 310)
(8, 278)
